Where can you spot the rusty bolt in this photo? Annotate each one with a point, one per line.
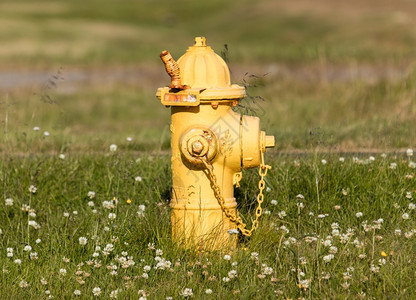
(197, 147)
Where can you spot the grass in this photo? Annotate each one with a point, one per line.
(370, 257)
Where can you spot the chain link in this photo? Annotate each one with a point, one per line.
(235, 218)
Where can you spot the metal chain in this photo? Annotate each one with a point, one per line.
(263, 168)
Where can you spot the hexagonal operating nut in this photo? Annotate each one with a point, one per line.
(197, 147)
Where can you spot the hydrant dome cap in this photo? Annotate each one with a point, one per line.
(201, 68)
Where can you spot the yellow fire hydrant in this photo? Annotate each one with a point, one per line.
(210, 145)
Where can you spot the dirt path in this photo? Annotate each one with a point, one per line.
(150, 77)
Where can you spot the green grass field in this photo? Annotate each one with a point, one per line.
(338, 82)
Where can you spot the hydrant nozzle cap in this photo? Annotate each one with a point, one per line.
(201, 69)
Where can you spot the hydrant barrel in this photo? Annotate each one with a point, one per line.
(210, 145)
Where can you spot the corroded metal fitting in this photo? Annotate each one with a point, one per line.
(172, 68)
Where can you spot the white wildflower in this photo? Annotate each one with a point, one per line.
(187, 292)
(96, 291)
(328, 258)
(409, 152)
(281, 214)
(113, 147)
(8, 202)
(82, 240)
(32, 189)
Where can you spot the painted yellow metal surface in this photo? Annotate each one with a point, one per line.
(206, 131)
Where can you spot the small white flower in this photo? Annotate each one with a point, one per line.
(273, 202)
(112, 216)
(91, 194)
(227, 257)
(90, 204)
(46, 133)
(405, 216)
(409, 152)
(412, 165)
(18, 261)
(226, 279)
(62, 272)
(66, 214)
(23, 284)
(268, 189)
(138, 179)
(409, 195)
(8, 202)
(75, 212)
(342, 159)
(34, 224)
(328, 258)
(113, 147)
(32, 189)
(372, 158)
(61, 156)
(96, 291)
(82, 240)
(36, 128)
(393, 166)
(281, 214)
(233, 231)
(323, 162)
(142, 207)
(412, 206)
(208, 291)
(187, 292)
(129, 139)
(77, 292)
(359, 214)
(27, 248)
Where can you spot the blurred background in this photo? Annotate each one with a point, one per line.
(81, 75)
